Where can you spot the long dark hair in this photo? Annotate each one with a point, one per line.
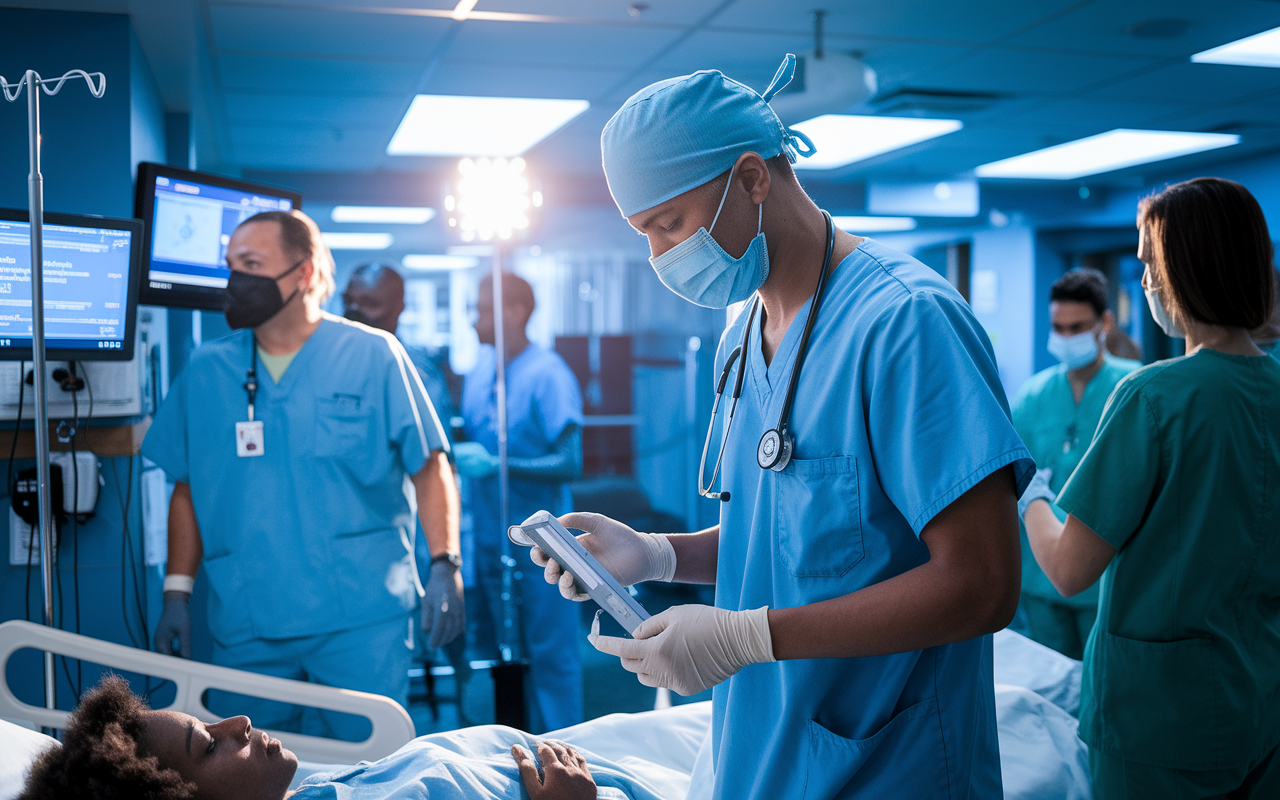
(1210, 247)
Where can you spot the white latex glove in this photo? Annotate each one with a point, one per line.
(630, 556)
(473, 460)
(1036, 490)
(689, 649)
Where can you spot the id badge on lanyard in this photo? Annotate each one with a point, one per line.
(250, 440)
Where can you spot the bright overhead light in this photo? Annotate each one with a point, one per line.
(392, 215)
(1103, 153)
(358, 241)
(446, 125)
(435, 261)
(492, 199)
(874, 224)
(844, 139)
(463, 8)
(1259, 50)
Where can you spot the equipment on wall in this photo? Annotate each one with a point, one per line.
(35, 200)
(189, 218)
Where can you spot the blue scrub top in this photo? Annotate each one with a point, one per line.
(315, 535)
(543, 398)
(899, 411)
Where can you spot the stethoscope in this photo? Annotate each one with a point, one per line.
(776, 445)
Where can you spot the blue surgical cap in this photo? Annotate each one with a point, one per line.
(677, 134)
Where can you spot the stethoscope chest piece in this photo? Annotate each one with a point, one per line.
(774, 450)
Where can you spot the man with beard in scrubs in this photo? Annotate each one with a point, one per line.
(857, 588)
(301, 445)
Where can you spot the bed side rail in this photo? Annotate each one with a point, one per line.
(392, 726)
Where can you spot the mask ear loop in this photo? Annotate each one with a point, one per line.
(723, 197)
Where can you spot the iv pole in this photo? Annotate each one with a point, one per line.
(35, 202)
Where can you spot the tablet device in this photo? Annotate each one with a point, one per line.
(544, 530)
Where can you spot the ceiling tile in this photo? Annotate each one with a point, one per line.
(295, 108)
(316, 76)
(501, 79)
(665, 12)
(564, 45)
(303, 31)
(1039, 73)
(1193, 84)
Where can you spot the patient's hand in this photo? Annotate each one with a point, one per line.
(565, 772)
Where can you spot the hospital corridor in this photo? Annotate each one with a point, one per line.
(640, 400)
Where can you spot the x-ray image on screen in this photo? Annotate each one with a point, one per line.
(188, 229)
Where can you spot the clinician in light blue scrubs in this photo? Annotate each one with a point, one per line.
(544, 446)
(855, 586)
(299, 501)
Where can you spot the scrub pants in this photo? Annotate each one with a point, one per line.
(1059, 625)
(1115, 779)
(549, 634)
(375, 659)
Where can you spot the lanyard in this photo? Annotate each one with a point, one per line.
(251, 382)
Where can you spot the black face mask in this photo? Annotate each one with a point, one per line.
(253, 299)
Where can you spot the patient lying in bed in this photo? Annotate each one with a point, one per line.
(117, 747)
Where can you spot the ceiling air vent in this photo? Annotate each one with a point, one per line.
(932, 102)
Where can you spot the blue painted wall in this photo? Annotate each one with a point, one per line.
(91, 147)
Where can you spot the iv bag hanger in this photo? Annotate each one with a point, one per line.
(35, 202)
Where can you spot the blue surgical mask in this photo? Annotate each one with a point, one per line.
(699, 270)
(1076, 351)
(1161, 316)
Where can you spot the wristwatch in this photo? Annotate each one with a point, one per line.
(453, 558)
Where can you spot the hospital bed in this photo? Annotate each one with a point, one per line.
(1037, 693)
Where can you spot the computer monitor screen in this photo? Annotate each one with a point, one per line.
(189, 218)
(91, 267)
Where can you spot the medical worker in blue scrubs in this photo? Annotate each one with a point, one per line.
(544, 448)
(857, 586)
(301, 445)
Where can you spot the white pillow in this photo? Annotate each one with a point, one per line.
(19, 748)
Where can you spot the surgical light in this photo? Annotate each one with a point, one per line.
(874, 224)
(358, 241)
(391, 215)
(435, 261)
(1259, 50)
(1104, 152)
(491, 199)
(843, 139)
(447, 125)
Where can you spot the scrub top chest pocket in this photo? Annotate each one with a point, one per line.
(818, 516)
(343, 426)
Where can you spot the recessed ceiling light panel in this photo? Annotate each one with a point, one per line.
(1105, 152)
(874, 224)
(843, 139)
(436, 261)
(1259, 50)
(358, 241)
(394, 215)
(448, 125)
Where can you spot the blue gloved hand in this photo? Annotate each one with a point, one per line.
(473, 460)
(443, 614)
(175, 623)
(1038, 488)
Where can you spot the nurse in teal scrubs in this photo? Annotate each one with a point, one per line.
(1176, 506)
(301, 445)
(858, 582)
(1055, 412)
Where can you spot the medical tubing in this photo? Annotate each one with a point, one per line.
(808, 326)
(251, 380)
(17, 424)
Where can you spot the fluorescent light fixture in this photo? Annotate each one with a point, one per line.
(1259, 50)
(874, 224)
(844, 139)
(434, 261)
(392, 215)
(469, 250)
(1105, 152)
(491, 199)
(463, 8)
(446, 125)
(358, 241)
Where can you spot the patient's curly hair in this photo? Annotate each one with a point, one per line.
(101, 757)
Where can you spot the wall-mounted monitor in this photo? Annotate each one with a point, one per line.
(189, 218)
(91, 269)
